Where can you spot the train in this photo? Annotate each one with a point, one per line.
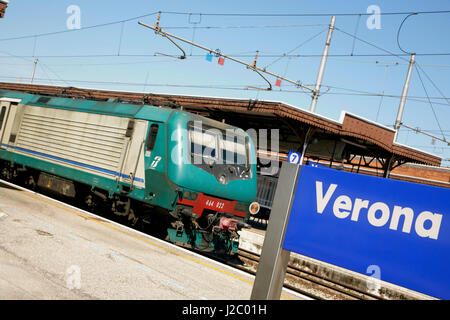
(181, 176)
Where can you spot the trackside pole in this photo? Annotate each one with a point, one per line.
(323, 62)
(401, 107)
(274, 259)
(34, 70)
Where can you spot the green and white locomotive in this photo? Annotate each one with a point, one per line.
(183, 176)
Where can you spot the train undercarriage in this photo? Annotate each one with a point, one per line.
(213, 231)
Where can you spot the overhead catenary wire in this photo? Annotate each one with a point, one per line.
(41, 66)
(296, 48)
(230, 27)
(432, 146)
(35, 36)
(325, 14)
(400, 28)
(426, 133)
(253, 66)
(431, 105)
(426, 93)
(51, 70)
(354, 92)
(47, 34)
(229, 87)
(75, 30)
(247, 26)
(187, 85)
(120, 38)
(281, 55)
(434, 84)
(354, 38)
(382, 93)
(387, 53)
(390, 53)
(435, 130)
(234, 55)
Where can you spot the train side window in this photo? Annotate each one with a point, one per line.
(152, 137)
(2, 117)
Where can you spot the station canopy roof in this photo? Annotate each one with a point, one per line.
(348, 140)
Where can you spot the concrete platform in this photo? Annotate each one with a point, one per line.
(49, 250)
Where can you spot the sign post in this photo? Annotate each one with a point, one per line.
(358, 222)
(274, 259)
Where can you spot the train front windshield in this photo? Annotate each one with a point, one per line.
(209, 145)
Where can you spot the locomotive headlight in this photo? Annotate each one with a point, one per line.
(189, 195)
(222, 179)
(253, 208)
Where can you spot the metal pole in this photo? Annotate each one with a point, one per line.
(34, 70)
(158, 30)
(274, 259)
(401, 107)
(387, 169)
(305, 145)
(322, 66)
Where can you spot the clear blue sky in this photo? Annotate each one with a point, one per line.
(110, 67)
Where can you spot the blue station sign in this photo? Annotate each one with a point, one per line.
(356, 221)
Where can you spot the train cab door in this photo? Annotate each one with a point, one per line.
(155, 147)
(156, 161)
(8, 109)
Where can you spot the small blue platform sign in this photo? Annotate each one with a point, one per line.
(294, 157)
(357, 222)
